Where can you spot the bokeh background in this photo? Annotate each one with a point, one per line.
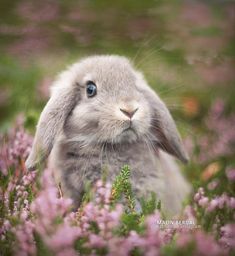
(186, 50)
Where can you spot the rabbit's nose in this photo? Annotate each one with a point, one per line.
(128, 112)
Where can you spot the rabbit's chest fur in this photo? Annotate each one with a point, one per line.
(150, 172)
(75, 165)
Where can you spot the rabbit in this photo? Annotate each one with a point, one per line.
(103, 114)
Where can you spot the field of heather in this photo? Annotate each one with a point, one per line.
(186, 49)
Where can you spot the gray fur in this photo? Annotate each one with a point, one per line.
(89, 134)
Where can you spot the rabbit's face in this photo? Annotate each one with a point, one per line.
(111, 107)
(102, 99)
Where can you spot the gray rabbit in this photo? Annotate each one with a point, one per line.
(102, 114)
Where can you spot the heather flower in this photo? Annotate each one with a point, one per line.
(96, 241)
(64, 237)
(223, 200)
(213, 205)
(32, 208)
(25, 238)
(189, 213)
(199, 195)
(47, 205)
(30, 44)
(213, 184)
(203, 202)
(6, 226)
(206, 243)
(203, 242)
(218, 202)
(105, 217)
(46, 11)
(227, 238)
(230, 173)
(48, 215)
(222, 137)
(15, 148)
(231, 202)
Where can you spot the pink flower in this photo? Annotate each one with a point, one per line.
(230, 173)
(67, 252)
(15, 149)
(183, 239)
(46, 11)
(64, 237)
(223, 200)
(213, 184)
(212, 205)
(221, 142)
(231, 202)
(96, 241)
(228, 236)
(197, 197)
(206, 243)
(24, 234)
(189, 213)
(203, 202)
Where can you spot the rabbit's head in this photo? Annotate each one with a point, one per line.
(103, 99)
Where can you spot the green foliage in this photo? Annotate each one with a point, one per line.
(171, 249)
(132, 219)
(88, 193)
(208, 31)
(122, 187)
(79, 246)
(148, 206)
(42, 249)
(6, 245)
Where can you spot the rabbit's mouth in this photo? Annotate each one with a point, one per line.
(129, 128)
(129, 134)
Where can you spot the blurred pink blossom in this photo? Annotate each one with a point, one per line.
(228, 236)
(222, 138)
(197, 14)
(45, 10)
(216, 74)
(230, 173)
(26, 244)
(14, 148)
(213, 184)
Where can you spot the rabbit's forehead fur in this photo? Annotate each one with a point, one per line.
(114, 72)
(100, 118)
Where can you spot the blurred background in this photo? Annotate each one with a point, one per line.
(186, 50)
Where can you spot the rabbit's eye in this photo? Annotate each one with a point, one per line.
(91, 89)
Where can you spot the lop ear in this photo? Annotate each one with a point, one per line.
(164, 130)
(168, 138)
(50, 124)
